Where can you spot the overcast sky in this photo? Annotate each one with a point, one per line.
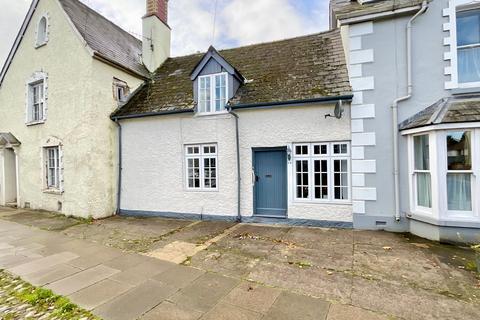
(238, 22)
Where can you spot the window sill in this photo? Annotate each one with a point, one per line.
(326, 202)
(466, 90)
(40, 45)
(211, 114)
(34, 123)
(53, 191)
(202, 190)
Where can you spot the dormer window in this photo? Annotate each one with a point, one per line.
(42, 32)
(213, 93)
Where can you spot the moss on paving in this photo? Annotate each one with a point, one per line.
(24, 301)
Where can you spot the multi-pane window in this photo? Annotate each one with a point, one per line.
(201, 165)
(212, 93)
(459, 170)
(422, 176)
(52, 167)
(322, 171)
(36, 101)
(468, 45)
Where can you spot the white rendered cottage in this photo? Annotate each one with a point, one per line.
(242, 134)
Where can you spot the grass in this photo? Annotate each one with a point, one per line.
(43, 300)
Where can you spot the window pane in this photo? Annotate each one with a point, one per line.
(468, 27)
(422, 152)
(424, 190)
(459, 151)
(459, 189)
(320, 179)
(301, 149)
(340, 179)
(469, 65)
(302, 179)
(340, 148)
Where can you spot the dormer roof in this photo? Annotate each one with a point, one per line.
(212, 53)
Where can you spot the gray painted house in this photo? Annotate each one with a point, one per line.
(419, 87)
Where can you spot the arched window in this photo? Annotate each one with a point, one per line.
(42, 31)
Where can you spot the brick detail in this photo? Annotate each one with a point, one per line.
(158, 8)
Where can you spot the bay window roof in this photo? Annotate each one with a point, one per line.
(456, 109)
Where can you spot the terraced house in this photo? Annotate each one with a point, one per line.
(414, 71)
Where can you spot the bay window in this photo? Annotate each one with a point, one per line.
(201, 167)
(212, 93)
(321, 171)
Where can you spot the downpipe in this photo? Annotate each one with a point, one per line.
(396, 165)
(237, 141)
(119, 179)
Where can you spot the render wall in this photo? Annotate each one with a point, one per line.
(153, 168)
(378, 61)
(80, 100)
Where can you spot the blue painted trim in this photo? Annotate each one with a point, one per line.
(233, 218)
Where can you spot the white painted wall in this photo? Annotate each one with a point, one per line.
(153, 173)
(80, 100)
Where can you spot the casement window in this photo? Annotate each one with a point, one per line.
(322, 171)
(468, 45)
(421, 172)
(212, 93)
(42, 32)
(459, 170)
(52, 167)
(120, 90)
(201, 167)
(36, 101)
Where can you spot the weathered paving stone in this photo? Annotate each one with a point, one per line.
(135, 302)
(99, 293)
(253, 297)
(292, 306)
(53, 274)
(82, 280)
(343, 312)
(179, 276)
(169, 311)
(225, 311)
(43, 263)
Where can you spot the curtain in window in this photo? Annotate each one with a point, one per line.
(469, 65)
(459, 192)
(424, 190)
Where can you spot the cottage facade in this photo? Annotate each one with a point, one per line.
(242, 134)
(420, 58)
(66, 73)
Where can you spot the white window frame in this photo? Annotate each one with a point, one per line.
(213, 96)
(201, 156)
(414, 173)
(57, 188)
(34, 81)
(119, 85)
(451, 41)
(43, 41)
(330, 157)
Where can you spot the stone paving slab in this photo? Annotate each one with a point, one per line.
(82, 280)
(58, 272)
(179, 276)
(169, 311)
(253, 297)
(143, 271)
(135, 302)
(343, 312)
(43, 263)
(99, 293)
(205, 292)
(225, 311)
(291, 306)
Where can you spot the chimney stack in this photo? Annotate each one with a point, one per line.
(156, 34)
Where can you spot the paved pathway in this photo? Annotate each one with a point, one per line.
(118, 285)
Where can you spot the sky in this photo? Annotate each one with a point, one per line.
(237, 23)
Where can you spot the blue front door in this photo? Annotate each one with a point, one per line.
(270, 168)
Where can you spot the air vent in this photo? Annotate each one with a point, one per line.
(381, 223)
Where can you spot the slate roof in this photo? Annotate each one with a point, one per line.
(105, 38)
(447, 110)
(301, 68)
(345, 9)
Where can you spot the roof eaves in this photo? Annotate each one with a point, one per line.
(106, 60)
(151, 114)
(288, 103)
